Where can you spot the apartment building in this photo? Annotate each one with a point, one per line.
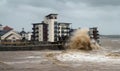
(63, 29)
(50, 30)
(39, 32)
(94, 34)
(51, 20)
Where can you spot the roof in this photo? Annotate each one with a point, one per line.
(64, 23)
(9, 33)
(0, 24)
(7, 28)
(51, 14)
(38, 23)
(22, 32)
(2, 32)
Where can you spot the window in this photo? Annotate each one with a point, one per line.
(13, 37)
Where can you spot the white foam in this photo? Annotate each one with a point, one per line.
(33, 57)
(76, 57)
(25, 61)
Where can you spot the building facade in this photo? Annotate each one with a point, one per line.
(10, 36)
(39, 32)
(50, 30)
(26, 36)
(63, 29)
(29, 36)
(94, 34)
(51, 20)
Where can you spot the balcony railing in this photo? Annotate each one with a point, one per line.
(36, 32)
(33, 28)
(64, 31)
(65, 28)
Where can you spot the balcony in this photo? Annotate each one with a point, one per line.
(55, 35)
(36, 36)
(36, 28)
(65, 28)
(62, 31)
(67, 32)
(58, 32)
(58, 27)
(68, 28)
(33, 28)
(36, 32)
(33, 32)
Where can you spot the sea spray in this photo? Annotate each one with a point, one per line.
(81, 40)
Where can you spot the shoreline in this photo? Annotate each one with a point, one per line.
(32, 47)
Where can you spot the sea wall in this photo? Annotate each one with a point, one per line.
(32, 47)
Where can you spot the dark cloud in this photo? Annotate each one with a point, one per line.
(82, 13)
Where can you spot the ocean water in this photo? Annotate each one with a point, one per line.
(105, 59)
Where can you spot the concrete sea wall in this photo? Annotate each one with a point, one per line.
(32, 47)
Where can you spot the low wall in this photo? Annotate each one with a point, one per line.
(25, 48)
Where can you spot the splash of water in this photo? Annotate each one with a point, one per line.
(81, 40)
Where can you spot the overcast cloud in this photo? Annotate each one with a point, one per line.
(105, 14)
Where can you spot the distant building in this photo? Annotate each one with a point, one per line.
(50, 30)
(29, 36)
(10, 36)
(7, 28)
(51, 20)
(72, 31)
(94, 34)
(1, 27)
(26, 36)
(23, 34)
(63, 29)
(40, 32)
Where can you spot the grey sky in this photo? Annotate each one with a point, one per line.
(81, 13)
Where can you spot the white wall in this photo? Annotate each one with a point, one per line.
(28, 36)
(50, 23)
(40, 29)
(11, 35)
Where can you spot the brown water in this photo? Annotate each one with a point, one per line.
(106, 59)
